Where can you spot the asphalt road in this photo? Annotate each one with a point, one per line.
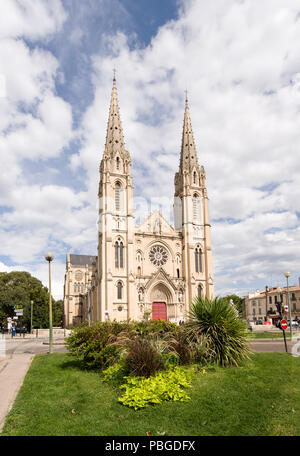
(32, 346)
(37, 346)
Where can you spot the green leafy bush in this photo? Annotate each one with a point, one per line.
(94, 344)
(102, 343)
(140, 392)
(223, 333)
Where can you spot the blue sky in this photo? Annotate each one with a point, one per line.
(241, 65)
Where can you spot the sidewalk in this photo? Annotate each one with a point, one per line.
(12, 373)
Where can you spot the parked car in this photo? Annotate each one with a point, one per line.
(259, 322)
(21, 330)
(294, 323)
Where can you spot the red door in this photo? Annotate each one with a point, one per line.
(159, 311)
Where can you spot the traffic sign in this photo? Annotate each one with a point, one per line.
(18, 306)
(284, 324)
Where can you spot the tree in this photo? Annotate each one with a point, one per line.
(19, 287)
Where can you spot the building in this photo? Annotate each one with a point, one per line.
(261, 305)
(78, 276)
(151, 270)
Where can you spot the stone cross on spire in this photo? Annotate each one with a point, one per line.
(188, 156)
(114, 137)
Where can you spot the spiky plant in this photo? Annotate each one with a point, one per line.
(224, 330)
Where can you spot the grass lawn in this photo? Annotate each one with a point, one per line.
(268, 335)
(260, 398)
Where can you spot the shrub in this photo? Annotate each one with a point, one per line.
(140, 392)
(178, 343)
(93, 344)
(143, 358)
(225, 333)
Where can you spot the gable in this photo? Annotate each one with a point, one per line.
(155, 223)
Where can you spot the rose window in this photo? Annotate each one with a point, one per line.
(158, 255)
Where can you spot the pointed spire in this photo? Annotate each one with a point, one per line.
(114, 137)
(188, 156)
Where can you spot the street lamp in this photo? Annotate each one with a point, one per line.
(287, 275)
(31, 311)
(50, 257)
(267, 290)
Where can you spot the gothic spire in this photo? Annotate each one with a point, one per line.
(114, 137)
(188, 156)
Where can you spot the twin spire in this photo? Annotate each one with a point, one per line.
(115, 139)
(188, 156)
(114, 136)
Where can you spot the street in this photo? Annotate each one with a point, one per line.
(32, 346)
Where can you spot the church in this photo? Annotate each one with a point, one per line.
(153, 270)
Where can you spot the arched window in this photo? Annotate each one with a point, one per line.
(119, 254)
(118, 163)
(178, 273)
(199, 291)
(139, 271)
(195, 207)
(198, 259)
(118, 196)
(116, 254)
(119, 290)
(194, 177)
(75, 287)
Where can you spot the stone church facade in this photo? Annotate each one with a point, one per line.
(153, 270)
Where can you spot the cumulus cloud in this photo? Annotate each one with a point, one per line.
(241, 65)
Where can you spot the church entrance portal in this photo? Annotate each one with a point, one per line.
(159, 311)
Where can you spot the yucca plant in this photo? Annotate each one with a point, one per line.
(224, 330)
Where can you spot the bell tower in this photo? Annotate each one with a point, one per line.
(116, 222)
(191, 217)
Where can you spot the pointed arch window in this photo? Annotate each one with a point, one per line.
(118, 196)
(119, 254)
(139, 271)
(194, 177)
(198, 259)
(119, 290)
(116, 254)
(195, 207)
(118, 163)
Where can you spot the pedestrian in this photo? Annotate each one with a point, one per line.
(13, 329)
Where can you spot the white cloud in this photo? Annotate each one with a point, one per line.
(241, 65)
(239, 61)
(32, 19)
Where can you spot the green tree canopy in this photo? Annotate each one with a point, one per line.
(21, 288)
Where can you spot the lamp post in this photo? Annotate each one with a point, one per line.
(267, 289)
(49, 257)
(31, 312)
(287, 275)
(279, 306)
